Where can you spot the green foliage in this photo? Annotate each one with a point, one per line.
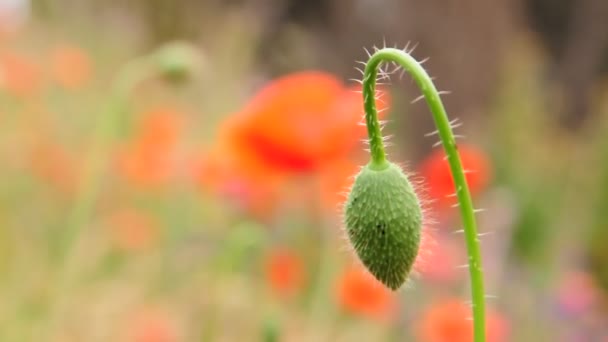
(530, 233)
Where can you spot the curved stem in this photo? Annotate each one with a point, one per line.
(371, 115)
(95, 166)
(168, 61)
(97, 157)
(378, 159)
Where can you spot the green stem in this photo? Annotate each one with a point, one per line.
(170, 61)
(174, 61)
(97, 157)
(378, 160)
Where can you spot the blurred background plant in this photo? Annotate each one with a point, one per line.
(216, 212)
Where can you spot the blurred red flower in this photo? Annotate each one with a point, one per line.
(335, 179)
(300, 121)
(360, 293)
(231, 170)
(304, 122)
(438, 179)
(284, 272)
(51, 162)
(70, 66)
(437, 261)
(448, 321)
(152, 325)
(132, 230)
(149, 158)
(19, 75)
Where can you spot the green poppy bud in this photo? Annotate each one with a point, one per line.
(178, 61)
(383, 220)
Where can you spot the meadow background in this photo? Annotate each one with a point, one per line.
(173, 170)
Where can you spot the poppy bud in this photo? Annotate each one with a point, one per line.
(383, 220)
(178, 61)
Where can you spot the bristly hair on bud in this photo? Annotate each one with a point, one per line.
(383, 214)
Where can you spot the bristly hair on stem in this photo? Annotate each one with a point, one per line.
(446, 135)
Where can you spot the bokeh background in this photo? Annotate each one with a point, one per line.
(173, 170)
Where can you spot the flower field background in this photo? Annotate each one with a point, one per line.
(205, 205)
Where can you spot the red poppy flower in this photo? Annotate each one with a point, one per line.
(360, 293)
(149, 159)
(152, 325)
(437, 261)
(70, 66)
(448, 321)
(297, 123)
(302, 120)
(436, 171)
(233, 171)
(18, 75)
(335, 179)
(51, 163)
(284, 272)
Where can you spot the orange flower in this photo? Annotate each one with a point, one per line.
(435, 169)
(70, 66)
(148, 160)
(436, 261)
(52, 163)
(360, 293)
(132, 230)
(284, 272)
(19, 75)
(297, 123)
(231, 170)
(335, 179)
(448, 321)
(152, 325)
(302, 120)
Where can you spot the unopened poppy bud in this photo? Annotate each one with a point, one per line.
(383, 219)
(178, 61)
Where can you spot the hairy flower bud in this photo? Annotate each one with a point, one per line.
(383, 219)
